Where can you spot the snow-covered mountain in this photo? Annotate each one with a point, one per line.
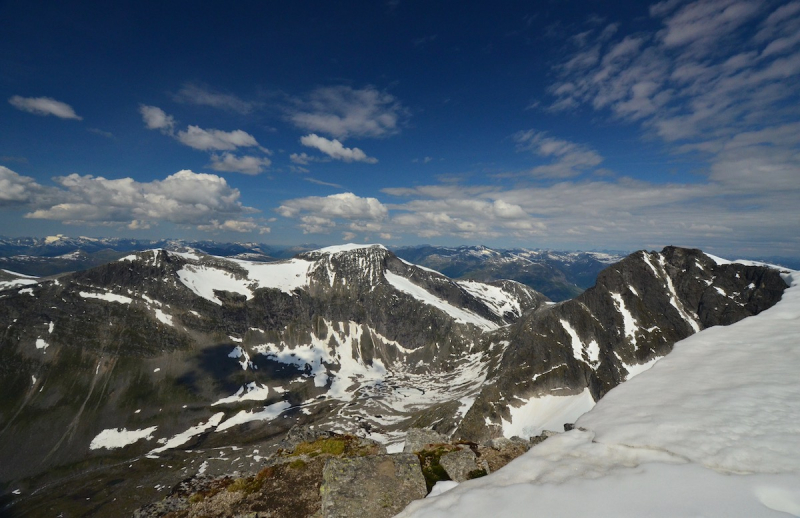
(711, 430)
(165, 350)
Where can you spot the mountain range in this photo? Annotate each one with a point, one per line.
(119, 378)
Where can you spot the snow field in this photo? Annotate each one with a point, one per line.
(711, 430)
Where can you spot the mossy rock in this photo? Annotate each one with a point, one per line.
(340, 445)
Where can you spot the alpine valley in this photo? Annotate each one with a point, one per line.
(121, 380)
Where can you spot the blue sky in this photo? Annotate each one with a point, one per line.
(570, 125)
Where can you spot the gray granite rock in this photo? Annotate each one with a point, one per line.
(418, 438)
(459, 464)
(379, 486)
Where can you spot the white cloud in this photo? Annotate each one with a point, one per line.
(454, 211)
(703, 22)
(620, 213)
(232, 225)
(318, 214)
(335, 149)
(213, 139)
(302, 158)
(345, 205)
(195, 136)
(184, 198)
(326, 184)
(706, 84)
(155, 118)
(342, 112)
(17, 189)
(44, 106)
(316, 225)
(195, 94)
(569, 159)
(228, 162)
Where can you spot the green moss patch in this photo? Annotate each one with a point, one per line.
(340, 445)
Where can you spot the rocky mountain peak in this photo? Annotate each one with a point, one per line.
(356, 265)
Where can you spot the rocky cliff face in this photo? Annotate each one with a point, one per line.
(163, 352)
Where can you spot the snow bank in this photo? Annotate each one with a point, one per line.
(712, 430)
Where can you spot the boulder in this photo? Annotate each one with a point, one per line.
(418, 438)
(460, 465)
(376, 487)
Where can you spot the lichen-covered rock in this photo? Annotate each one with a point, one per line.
(460, 465)
(375, 487)
(418, 438)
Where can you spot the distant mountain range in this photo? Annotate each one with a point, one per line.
(118, 379)
(558, 275)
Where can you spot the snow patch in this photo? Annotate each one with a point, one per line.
(546, 413)
(459, 315)
(249, 392)
(108, 297)
(185, 436)
(629, 324)
(246, 416)
(114, 438)
(496, 299)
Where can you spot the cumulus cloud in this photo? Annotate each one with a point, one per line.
(335, 149)
(569, 159)
(16, 189)
(44, 106)
(155, 118)
(230, 163)
(184, 198)
(318, 214)
(191, 93)
(195, 136)
(342, 112)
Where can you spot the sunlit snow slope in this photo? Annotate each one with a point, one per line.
(712, 430)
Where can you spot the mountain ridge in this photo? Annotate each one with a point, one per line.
(216, 351)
